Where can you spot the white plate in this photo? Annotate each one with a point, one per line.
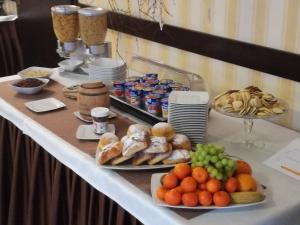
(44, 105)
(86, 132)
(155, 183)
(46, 72)
(29, 90)
(133, 167)
(78, 115)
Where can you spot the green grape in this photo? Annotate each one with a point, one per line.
(212, 151)
(214, 159)
(199, 146)
(199, 164)
(219, 164)
(210, 145)
(203, 153)
(220, 148)
(214, 172)
(206, 162)
(219, 176)
(209, 169)
(200, 158)
(193, 165)
(221, 156)
(192, 153)
(194, 158)
(228, 168)
(208, 157)
(224, 161)
(231, 163)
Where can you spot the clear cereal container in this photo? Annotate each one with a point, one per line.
(65, 22)
(92, 25)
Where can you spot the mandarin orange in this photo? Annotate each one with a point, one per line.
(243, 167)
(246, 182)
(169, 181)
(231, 184)
(205, 198)
(188, 184)
(213, 185)
(221, 198)
(173, 197)
(200, 174)
(182, 170)
(160, 192)
(190, 199)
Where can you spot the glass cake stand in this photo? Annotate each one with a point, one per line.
(247, 139)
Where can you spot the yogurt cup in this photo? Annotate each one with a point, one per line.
(100, 119)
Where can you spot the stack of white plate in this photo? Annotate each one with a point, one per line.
(188, 114)
(107, 70)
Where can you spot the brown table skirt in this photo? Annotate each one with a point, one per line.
(36, 189)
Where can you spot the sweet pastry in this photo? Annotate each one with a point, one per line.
(109, 152)
(138, 128)
(181, 141)
(178, 156)
(134, 143)
(120, 159)
(157, 145)
(141, 157)
(163, 130)
(106, 139)
(159, 157)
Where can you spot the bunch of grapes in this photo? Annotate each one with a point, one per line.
(213, 158)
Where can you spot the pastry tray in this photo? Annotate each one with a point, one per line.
(138, 66)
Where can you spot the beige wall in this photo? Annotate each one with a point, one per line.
(272, 23)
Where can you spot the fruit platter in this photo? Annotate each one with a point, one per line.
(213, 180)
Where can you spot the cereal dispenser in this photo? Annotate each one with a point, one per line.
(93, 28)
(66, 27)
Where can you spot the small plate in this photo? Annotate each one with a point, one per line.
(36, 72)
(86, 132)
(155, 183)
(78, 115)
(70, 64)
(44, 105)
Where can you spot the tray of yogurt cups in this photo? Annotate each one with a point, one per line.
(146, 93)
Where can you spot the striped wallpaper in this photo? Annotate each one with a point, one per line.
(272, 23)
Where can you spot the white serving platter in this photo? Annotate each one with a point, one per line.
(44, 105)
(155, 183)
(46, 72)
(133, 167)
(86, 132)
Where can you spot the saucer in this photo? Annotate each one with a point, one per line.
(86, 132)
(44, 105)
(78, 115)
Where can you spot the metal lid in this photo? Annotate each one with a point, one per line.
(65, 9)
(92, 11)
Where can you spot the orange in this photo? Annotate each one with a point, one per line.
(169, 181)
(160, 192)
(231, 184)
(246, 182)
(202, 186)
(178, 188)
(205, 198)
(182, 170)
(243, 167)
(221, 198)
(173, 197)
(190, 199)
(188, 184)
(213, 185)
(200, 174)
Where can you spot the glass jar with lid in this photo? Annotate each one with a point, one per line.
(92, 25)
(65, 22)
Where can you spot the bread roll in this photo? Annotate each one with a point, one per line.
(134, 128)
(159, 157)
(134, 143)
(120, 159)
(106, 139)
(180, 141)
(157, 145)
(140, 158)
(163, 130)
(109, 152)
(178, 156)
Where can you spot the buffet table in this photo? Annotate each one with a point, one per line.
(47, 176)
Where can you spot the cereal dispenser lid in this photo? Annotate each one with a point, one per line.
(92, 11)
(65, 9)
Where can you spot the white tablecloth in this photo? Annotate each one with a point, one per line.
(283, 201)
